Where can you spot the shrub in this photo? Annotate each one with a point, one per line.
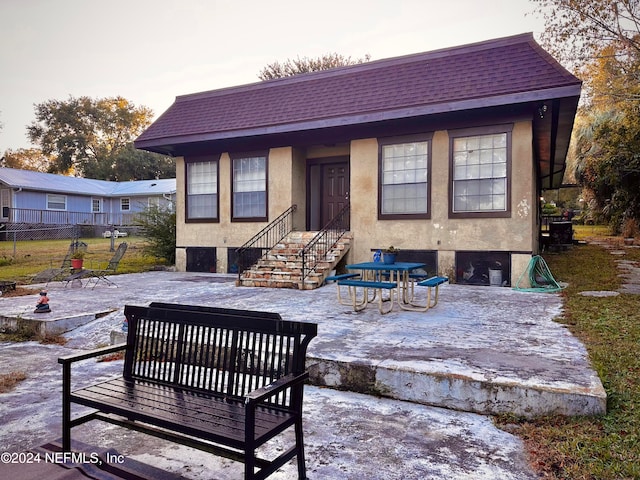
(550, 209)
(159, 230)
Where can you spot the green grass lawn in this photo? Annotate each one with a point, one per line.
(606, 447)
(581, 232)
(27, 258)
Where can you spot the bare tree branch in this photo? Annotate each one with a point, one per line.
(305, 65)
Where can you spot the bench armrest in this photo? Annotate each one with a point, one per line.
(93, 353)
(66, 385)
(274, 388)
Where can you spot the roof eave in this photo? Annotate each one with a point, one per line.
(562, 121)
(168, 144)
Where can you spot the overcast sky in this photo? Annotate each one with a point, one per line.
(150, 51)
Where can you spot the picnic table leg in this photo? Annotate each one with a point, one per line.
(341, 301)
(437, 287)
(412, 285)
(430, 303)
(408, 288)
(358, 306)
(373, 276)
(390, 300)
(402, 279)
(414, 307)
(408, 303)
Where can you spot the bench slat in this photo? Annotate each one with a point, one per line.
(368, 284)
(180, 410)
(342, 276)
(433, 281)
(207, 357)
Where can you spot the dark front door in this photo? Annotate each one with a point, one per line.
(335, 190)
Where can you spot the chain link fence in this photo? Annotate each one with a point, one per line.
(12, 234)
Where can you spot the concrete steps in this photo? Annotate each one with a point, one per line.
(282, 266)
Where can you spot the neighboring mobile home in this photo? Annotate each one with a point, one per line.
(36, 198)
(442, 154)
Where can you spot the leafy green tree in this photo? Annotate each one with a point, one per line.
(305, 65)
(26, 159)
(609, 166)
(601, 40)
(607, 139)
(129, 163)
(159, 229)
(85, 136)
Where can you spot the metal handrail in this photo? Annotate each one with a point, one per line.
(322, 243)
(263, 241)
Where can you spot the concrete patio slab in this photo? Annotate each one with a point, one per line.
(348, 436)
(480, 349)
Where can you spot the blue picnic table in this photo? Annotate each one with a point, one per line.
(398, 274)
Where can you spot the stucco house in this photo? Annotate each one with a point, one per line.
(441, 154)
(36, 198)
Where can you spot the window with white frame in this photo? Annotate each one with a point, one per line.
(250, 188)
(96, 205)
(404, 178)
(202, 190)
(56, 202)
(125, 204)
(480, 173)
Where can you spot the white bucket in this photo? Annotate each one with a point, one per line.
(495, 278)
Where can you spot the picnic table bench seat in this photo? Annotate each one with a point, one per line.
(368, 284)
(341, 276)
(222, 380)
(336, 279)
(377, 287)
(432, 283)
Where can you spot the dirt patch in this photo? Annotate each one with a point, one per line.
(112, 357)
(10, 380)
(20, 291)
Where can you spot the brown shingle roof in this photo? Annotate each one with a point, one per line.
(496, 72)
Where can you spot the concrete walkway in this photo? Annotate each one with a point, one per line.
(481, 349)
(629, 270)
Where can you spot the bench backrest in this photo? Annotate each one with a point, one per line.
(226, 351)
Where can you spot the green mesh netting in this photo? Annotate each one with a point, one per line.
(539, 277)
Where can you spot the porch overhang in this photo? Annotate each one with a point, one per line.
(552, 129)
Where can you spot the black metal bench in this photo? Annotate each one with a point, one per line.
(221, 380)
